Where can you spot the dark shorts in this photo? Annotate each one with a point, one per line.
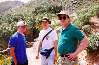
(26, 63)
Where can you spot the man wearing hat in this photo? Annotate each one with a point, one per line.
(71, 40)
(17, 45)
(48, 41)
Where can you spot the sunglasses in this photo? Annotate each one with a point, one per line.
(64, 17)
(44, 21)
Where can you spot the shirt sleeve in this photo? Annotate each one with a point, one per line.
(78, 34)
(12, 42)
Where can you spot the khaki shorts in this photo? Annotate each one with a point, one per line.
(66, 61)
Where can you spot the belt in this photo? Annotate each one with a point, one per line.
(64, 55)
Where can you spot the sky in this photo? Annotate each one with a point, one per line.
(25, 1)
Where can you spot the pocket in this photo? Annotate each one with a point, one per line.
(46, 52)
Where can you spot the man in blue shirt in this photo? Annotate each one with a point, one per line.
(71, 40)
(17, 45)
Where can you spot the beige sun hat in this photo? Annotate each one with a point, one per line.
(64, 12)
(21, 23)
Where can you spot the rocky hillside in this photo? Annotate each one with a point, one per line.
(9, 5)
(71, 5)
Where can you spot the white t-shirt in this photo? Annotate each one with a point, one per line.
(48, 41)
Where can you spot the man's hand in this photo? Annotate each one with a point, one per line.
(15, 63)
(55, 60)
(37, 57)
(83, 44)
(72, 56)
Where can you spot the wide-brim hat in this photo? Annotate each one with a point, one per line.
(45, 19)
(63, 13)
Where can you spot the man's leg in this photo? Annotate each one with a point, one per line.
(51, 59)
(44, 61)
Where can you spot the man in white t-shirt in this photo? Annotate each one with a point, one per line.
(49, 42)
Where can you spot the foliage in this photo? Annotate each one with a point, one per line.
(33, 12)
(84, 24)
(85, 14)
(5, 60)
(31, 17)
(94, 44)
(50, 9)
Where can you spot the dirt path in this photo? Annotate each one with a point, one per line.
(31, 54)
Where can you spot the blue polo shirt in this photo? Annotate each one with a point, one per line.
(69, 39)
(18, 41)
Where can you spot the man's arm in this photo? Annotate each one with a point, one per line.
(83, 44)
(55, 49)
(13, 55)
(39, 47)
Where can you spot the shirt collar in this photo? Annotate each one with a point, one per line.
(48, 29)
(66, 27)
(21, 33)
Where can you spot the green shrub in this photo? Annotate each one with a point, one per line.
(84, 24)
(5, 60)
(94, 44)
